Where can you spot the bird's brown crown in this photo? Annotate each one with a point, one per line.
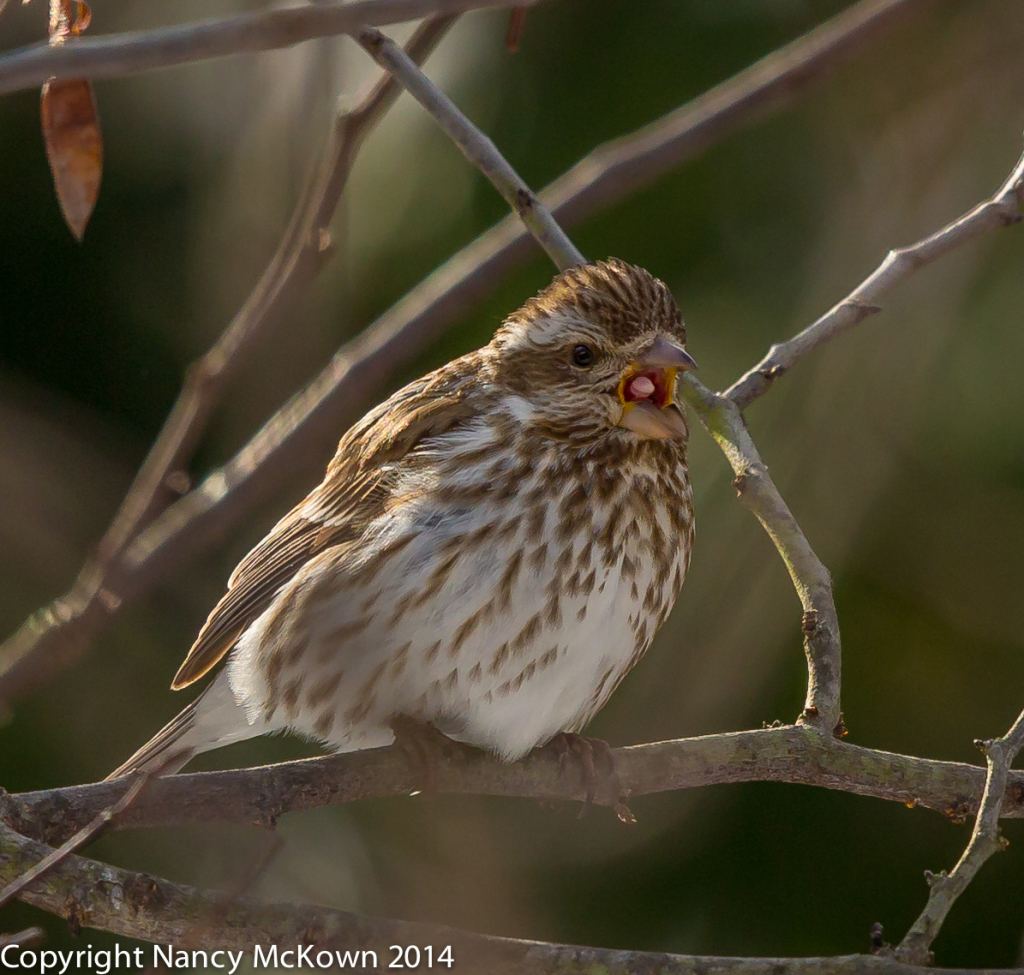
(624, 301)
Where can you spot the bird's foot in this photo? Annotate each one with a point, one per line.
(425, 747)
(592, 753)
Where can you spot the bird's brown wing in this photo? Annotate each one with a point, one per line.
(356, 489)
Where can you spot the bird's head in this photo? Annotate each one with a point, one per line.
(596, 353)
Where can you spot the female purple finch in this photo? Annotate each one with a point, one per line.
(491, 550)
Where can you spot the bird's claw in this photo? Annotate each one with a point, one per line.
(587, 750)
(424, 747)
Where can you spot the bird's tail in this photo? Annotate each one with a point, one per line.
(213, 719)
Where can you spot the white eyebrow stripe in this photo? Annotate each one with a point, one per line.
(550, 330)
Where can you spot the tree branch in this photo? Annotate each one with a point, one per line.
(101, 822)
(794, 754)
(985, 840)
(137, 905)
(132, 52)
(475, 146)
(28, 938)
(1000, 210)
(55, 635)
(813, 584)
(307, 425)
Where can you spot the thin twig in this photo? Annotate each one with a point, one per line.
(149, 908)
(308, 424)
(87, 834)
(813, 584)
(476, 147)
(794, 754)
(56, 634)
(1002, 209)
(131, 52)
(915, 948)
(30, 937)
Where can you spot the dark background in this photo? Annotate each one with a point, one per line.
(900, 446)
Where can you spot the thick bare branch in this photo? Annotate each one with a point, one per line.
(131, 52)
(149, 908)
(476, 147)
(56, 634)
(795, 754)
(1001, 210)
(985, 840)
(309, 424)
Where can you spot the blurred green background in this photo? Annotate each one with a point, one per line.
(900, 446)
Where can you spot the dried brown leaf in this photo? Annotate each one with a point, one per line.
(74, 147)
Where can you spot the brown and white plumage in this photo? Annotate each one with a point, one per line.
(491, 550)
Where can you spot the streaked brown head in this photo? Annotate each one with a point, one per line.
(597, 352)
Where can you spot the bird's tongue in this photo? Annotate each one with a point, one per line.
(647, 385)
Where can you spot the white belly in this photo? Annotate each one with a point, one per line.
(485, 623)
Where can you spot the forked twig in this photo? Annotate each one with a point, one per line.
(1002, 209)
(85, 835)
(915, 948)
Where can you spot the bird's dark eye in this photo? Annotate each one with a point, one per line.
(583, 356)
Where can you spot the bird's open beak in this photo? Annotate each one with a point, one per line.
(647, 392)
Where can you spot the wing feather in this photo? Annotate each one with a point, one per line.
(356, 490)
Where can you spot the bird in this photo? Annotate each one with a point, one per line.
(490, 552)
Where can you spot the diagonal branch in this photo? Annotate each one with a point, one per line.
(57, 634)
(101, 822)
(795, 754)
(1002, 209)
(131, 52)
(985, 840)
(138, 905)
(475, 146)
(308, 424)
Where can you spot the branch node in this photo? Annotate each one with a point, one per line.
(178, 481)
(864, 309)
(958, 812)
(75, 916)
(109, 599)
(622, 810)
(809, 623)
(840, 730)
(1009, 214)
(372, 39)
